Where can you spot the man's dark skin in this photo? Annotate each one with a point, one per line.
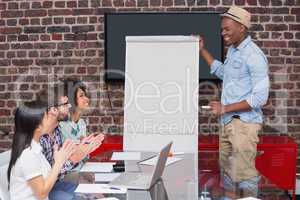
(233, 34)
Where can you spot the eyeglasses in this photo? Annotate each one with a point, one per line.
(61, 104)
(64, 104)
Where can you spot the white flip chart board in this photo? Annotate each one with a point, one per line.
(161, 93)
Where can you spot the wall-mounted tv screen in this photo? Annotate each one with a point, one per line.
(120, 25)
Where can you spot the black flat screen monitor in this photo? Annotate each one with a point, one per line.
(120, 25)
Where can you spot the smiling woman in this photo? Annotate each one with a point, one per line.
(74, 127)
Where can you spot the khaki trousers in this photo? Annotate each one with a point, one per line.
(238, 142)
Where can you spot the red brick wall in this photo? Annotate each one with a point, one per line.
(43, 41)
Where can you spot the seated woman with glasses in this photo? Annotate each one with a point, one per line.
(29, 174)
(75, 127)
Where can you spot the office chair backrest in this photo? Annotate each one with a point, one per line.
(4, 157)
(4, 161)
(4, 193)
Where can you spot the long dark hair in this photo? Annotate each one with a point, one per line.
(71, 87)
(27, 119)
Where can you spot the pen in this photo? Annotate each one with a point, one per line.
(206, 107)
(175, 153)
(114, 188)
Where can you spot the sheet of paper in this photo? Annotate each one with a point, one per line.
(108, 198)
(106, 177)
(248, 198)
(97, 167)
(153, 161)
(126, 156)
(99, 188)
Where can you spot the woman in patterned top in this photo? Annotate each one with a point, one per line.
(75, 127)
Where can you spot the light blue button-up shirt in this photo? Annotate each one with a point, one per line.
(245, 77)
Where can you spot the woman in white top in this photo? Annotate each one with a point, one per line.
(29, 174)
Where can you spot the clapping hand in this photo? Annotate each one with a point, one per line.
(98, 139)
(64, 153)
(94, 140)
(86, 146)
(82, 150)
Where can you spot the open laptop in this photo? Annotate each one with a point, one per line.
(156, 192)
(143, 181)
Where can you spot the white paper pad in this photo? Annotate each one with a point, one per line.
(106, 177)
(126, 156)
(97, 167)
(108, 198)
(152, 161)
(248, 198)
(99, 188)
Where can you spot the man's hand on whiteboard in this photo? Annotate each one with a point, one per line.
(201, 43)
(204, 52)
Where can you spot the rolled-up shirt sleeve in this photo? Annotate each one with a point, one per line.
(258, 68)
(217, 69)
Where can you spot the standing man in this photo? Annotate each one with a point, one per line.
(244, 91)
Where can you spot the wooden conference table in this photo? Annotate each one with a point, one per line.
(182, 180)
